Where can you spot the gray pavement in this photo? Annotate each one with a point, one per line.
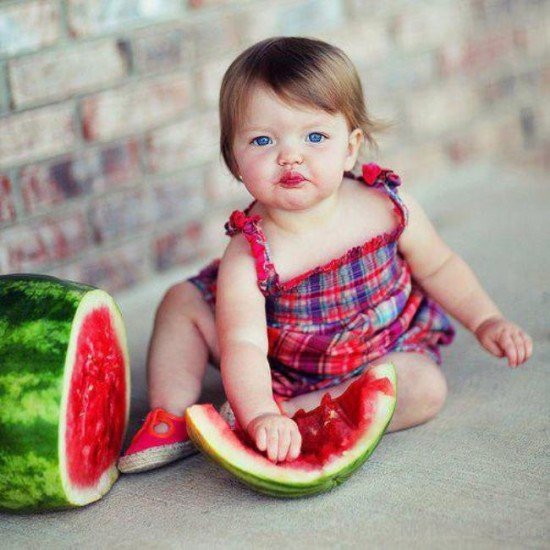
(474, 477)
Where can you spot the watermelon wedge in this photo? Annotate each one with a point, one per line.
(337, 438)
(64, 392)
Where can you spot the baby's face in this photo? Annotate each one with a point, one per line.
(276, 138)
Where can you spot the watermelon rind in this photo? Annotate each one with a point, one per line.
(40, 320)
(213, 436)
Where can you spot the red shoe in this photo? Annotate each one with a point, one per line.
(149, 449)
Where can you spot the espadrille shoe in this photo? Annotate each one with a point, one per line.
(150, 449)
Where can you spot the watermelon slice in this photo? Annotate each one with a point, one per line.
(337, 437)
(64, 392)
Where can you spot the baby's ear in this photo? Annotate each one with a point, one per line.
(355, 141)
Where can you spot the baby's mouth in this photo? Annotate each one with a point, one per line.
(290, 179)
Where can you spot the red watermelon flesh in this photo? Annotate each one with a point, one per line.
(96, 406)
(337, 423)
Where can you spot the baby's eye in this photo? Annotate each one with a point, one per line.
(316, 137)
(261, 140)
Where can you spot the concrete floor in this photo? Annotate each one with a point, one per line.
(474, 477)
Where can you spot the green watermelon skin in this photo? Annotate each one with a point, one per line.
(36, 318)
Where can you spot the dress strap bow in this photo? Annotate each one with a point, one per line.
(375, 175)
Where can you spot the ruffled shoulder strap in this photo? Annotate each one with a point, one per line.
(250, 227)
(375, 176)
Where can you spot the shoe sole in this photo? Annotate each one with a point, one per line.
(155, 457)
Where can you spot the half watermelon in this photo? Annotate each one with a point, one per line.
(337, 438)
(64, 392)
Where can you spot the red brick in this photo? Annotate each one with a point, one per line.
(358, 8)
(435, 111)
(416, 164)
(111, 270)
(209, 3)
(210, 76)
(179, 246)
(180, 198)
(492, 12)
(509, 132)
(536, 36)
(214, 238)
(193, 140)
(460, 149)
(4, 90)
(399, 73)
(483, 136)
(222, 187)
(499, 89)
(92, 171)
(545, 77)
(479, 53)
(38, 133)
(162, 50)
(92, 17)
(120, 215)
(215, 35)
(423, 26)
(264, 19)
(60, 72)
(352, 39)
(269, 13)
(136, 107)
(297, 18)
(29, 26)
(7, 204)
(35, 245)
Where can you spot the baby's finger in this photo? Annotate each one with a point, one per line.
(528, 346)
(295, 444)
(509, 348)
(261, 439)
(272, 444)
(520, 347)
(284, 443)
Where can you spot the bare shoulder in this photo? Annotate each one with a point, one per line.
(369, 206)
(240, 305)
(410, 201)
(237, 265)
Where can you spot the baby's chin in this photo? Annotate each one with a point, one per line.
(295, 199)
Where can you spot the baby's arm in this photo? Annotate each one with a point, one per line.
(242, 335)
(448, 279)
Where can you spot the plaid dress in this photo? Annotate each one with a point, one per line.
(328, 324)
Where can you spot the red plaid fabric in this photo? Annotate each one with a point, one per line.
(328, 324)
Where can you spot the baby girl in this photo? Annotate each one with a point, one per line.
(331, 269)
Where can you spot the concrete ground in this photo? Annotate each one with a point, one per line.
(474, 477)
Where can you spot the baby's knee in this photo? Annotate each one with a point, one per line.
(434, 390)
(181, 298)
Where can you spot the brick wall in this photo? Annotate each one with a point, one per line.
(109, 167)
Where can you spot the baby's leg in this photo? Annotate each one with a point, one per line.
(184, 333)
(421, 390)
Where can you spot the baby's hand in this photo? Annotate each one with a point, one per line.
(503, 338)
(276, 433)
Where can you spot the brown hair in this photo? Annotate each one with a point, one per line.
(300, 71)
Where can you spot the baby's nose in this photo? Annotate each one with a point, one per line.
(290, 156)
